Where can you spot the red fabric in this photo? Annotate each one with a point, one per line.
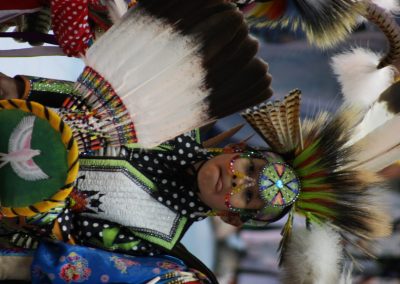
(70, 22)
(19, 4)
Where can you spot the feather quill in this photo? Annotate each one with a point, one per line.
(214, 141)
(377, 146)
(375, 137)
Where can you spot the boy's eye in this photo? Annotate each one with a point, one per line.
(249, 195)
(250, 168)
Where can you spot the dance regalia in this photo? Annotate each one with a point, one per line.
(120, 186)
(155, 207)
(313, 174)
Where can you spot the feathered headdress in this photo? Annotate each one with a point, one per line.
(325, 22)
(331, 192)
(165, 68)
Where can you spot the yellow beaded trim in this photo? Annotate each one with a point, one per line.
(72, 158)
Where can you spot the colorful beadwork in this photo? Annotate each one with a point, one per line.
(278, 185)
(49, 85)
(246, 182)
(94, 92)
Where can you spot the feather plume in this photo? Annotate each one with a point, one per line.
(361, 81)
(173, 66)
(325, 22)
(391, 6)
(116, 9)
(312, 256)
(278, 123)
(346, 276)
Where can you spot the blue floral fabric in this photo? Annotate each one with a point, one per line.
(63, 263)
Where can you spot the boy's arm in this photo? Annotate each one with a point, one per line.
(49, 92)
(10, 88)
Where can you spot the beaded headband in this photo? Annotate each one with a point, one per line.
(278, 186)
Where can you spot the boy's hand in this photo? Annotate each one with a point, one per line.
(10, 88)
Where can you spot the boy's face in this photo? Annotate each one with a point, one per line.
(221, 175)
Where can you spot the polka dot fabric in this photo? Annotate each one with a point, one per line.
(70, 23)
(168, 169)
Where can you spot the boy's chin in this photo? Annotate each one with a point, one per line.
(233, 220)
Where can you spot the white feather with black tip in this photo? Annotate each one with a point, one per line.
(163, 59)
(174, 66)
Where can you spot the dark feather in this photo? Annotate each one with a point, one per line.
(234, 58)
(236, 79)
(391, 97)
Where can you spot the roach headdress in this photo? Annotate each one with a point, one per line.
(318, 153)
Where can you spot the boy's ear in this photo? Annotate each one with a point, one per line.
(233, 220)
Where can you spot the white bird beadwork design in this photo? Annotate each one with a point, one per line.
(20, 155)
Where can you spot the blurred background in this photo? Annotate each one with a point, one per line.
(248, 255)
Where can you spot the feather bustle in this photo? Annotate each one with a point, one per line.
(169, 77)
